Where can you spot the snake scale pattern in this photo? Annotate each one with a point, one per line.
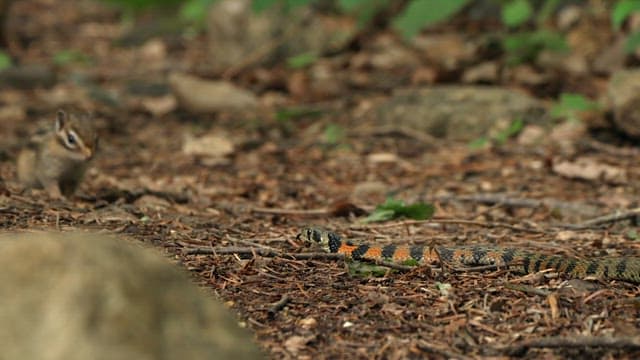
(522, 261)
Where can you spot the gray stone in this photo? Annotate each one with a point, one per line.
(458, 112)
(624, 98)
(81, 296)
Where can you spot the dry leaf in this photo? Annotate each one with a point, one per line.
(590, 169)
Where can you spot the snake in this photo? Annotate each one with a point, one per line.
(519, 260)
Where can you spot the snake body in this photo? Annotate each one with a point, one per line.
(522, 261)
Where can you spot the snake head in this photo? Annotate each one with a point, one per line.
(309, 234)
(325, 239)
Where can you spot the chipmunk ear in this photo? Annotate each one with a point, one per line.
(61, 117)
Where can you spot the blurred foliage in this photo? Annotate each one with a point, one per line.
(334, 134)
(421, 13)
(570, 105)
(5, 60)
(525, 46)
(393, 209)
(621, 11)
(302, 60)
(501, 137)
(67, 57)
(525, 21)
(516, 13)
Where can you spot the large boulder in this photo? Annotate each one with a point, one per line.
(81, 296)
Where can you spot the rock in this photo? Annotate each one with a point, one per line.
(531, 135)
(590, 169)
(611, 58)
(208, 145)
(27, 77)
(457, 112)
(206, 96)
(239, 36)
(623, 94)
(447, 51)
(80, 296)
(486, 72)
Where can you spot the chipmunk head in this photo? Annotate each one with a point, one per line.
(76, 133)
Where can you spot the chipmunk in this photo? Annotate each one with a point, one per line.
(56, 159)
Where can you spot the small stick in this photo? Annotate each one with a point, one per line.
(527, 289)
(439, 350)
(606, 219)
(577, 341)
(279, 305)
(278, 211)
(458, 221)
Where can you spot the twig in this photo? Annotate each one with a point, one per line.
(503, 199)
(439, 350)
(397, 129)
(527, 289)
(610, 149)
(606, 219)
(278, 211)
(622, 343)
(279, 305)
(458, 221)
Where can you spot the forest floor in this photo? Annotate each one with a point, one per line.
(284, 175)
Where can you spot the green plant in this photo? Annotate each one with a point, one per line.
(195, 11)
(516, 12)
(525, 46)
(514, 129)
(66, 57)
(393, 209)
(363, 10)
(302, 60)
(287, 5)
(5, 60)
(500, 138)
(333, 134)
(621, 10)
(570, 105)
(421, 13)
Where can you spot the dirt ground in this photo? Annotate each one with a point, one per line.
(283, 175)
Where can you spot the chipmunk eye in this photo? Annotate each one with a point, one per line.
(71, 139)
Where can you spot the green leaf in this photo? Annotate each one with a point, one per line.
(302, 60)
(363, 269)
(421, 13)
(622, 10)
(291, 113)
(379, 215)
(516, 13)
(525, 46)
(351, 5)
(417, 211)
(632, 234)
(364, 10)
(66, 57)
(195, 11)
(632, 43)
(514, 128)
(262, 5)
(333, 134)
(478, 143)
(5, 60)
(392, 209)
(569, 104)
